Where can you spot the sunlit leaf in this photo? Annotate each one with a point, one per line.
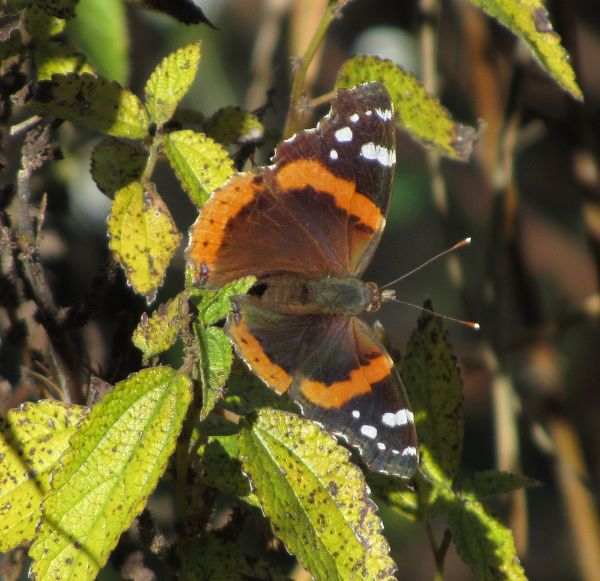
(215, 305)
(216, 360)
(315, 498)
(171, 81)
(234, 125)
(115, 164)
(143, 236)
(112, 464)
(92, 102)
(157, 333)
(530, 22)
(201, 164)
(417, 111)
(484, 543)
(53, 57)
(32, 440)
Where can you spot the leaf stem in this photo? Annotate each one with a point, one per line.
(296, 110)
(152, 159)
(182, 466)
(439, 552)
(183, 456)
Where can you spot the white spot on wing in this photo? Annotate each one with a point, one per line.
(333, 154)
(409, 451)
(385, 114)
(355, 414)
(354, 117)
(369, 431)
(344, 134)
(381, 445)
(378, 153)
(368, 113)
(400, 418)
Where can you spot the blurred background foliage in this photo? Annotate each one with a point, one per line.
(529, 198)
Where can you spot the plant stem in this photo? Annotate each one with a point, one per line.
(152, 159)
(294, 117)
(439, 552)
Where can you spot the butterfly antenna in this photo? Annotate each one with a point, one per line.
(458, 245)
(469, 324)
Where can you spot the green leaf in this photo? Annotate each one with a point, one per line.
(52, 57)
(216, 558)
(100, 31)
(201, 164)
(58, 8)
(223, 468)
(32, 440)
(489, 483)
(233, 125)
(418, 111)
(316, 499)
(39, 24)
(143, 236)
(111, 466)
(484, 543)
(215, 305)
(216, 361)
(171, 81)
(434, 388)
(91, 102)
(530, 22)
(115, 164)
(157, 333)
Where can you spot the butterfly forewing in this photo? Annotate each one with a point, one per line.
(354, 144)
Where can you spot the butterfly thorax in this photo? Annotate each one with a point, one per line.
(296, 294)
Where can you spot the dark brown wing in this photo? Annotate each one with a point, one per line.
(336, 369)
(356, 143)
(318, 210)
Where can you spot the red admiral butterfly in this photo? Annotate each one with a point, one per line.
(306, 227)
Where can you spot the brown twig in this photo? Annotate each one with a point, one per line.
(37, 149)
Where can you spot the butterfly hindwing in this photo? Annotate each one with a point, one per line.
(334, 367)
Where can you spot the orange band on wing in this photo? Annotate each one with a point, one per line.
(338, 394)
(254, 355)
(208, 231)
(303, 173)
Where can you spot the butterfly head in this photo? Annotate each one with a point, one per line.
(378, 296)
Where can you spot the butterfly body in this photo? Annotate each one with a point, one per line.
(293, 293)
(306, 227)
